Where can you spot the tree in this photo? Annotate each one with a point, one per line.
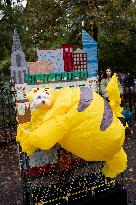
(11, 17)
(116, 36)
(47, 24)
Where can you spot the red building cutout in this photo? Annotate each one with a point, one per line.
(68, 50)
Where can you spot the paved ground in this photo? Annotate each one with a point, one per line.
(130, 173)
(11, 189)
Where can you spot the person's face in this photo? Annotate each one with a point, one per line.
(108, 72)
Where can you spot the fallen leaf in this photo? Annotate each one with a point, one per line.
(131, 170)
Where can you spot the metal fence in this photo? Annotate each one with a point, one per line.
(7, 113)
(35, 186)
(8, 109)
(128, 98)
(129, 93)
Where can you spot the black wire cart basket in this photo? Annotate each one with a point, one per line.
(68, 181)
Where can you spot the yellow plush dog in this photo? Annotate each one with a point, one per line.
(83, 123)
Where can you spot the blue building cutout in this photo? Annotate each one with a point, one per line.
(90, 47)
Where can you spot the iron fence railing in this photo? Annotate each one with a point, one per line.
(68, 189)
(8, 109)
(7, 113)
(129, 93)
(128, 83)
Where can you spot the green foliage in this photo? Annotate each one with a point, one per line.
(116, 37)
(5, 64)
(48, 24)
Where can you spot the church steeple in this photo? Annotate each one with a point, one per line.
(16, 42)
(19, 66)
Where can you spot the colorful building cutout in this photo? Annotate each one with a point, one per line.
(90, 47)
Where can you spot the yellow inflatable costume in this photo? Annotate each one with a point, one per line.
(83, 123)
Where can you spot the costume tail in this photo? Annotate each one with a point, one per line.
(114, 96)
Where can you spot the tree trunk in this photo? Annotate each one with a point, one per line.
(95, 31)
(8, 3)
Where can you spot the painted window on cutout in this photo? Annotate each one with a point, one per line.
(18, 60)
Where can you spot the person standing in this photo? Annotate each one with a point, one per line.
(107, 75)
